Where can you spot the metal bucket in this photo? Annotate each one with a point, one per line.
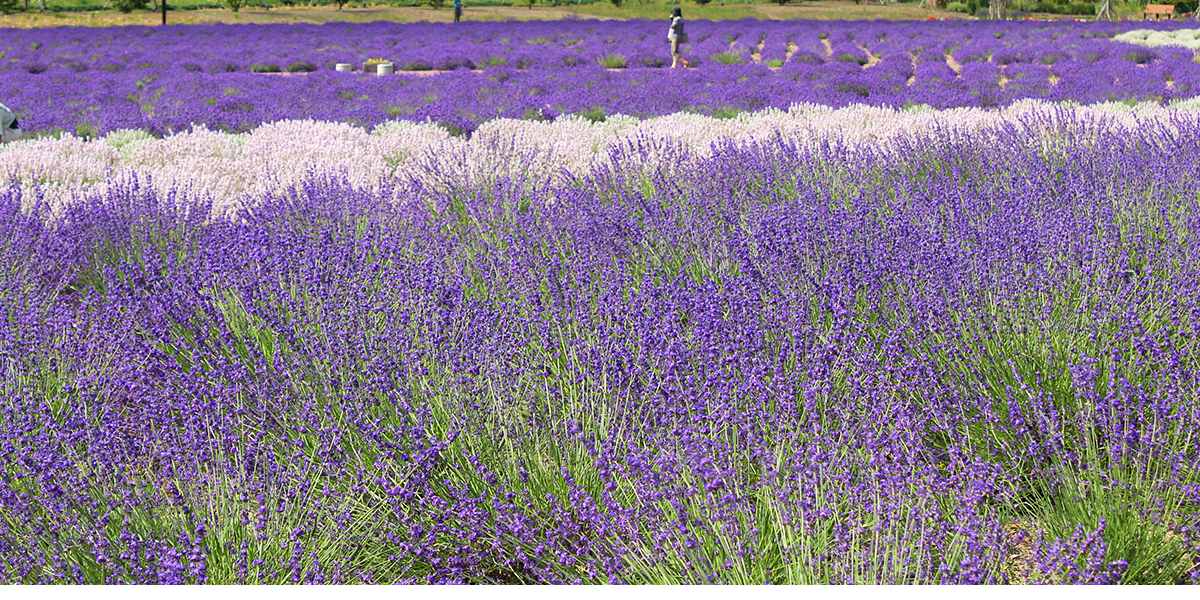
(385, 69)
(344, 67)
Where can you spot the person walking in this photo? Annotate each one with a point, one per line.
(677, 36)
(457, 10)
(10, 130)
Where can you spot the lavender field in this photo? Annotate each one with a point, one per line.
(164, 80)
(566, 323)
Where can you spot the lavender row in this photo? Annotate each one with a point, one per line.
(536, 45)
(162, 102)
(967, 361)
(227, 172)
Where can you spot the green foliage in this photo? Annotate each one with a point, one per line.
(128, 6)
(594, 114)
(847, 57)
(234, 5)
(958, 7)
(9, 7)
(729, 58)
(86, 131)
(614, 61)
(436, 4)
(301, 67)
(616, 3)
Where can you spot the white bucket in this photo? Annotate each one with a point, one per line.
(385, 69)
(344, 67)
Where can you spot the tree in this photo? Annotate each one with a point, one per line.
(616, 3)
(128, 6)
(1105, 11)
(233, 5)
(9, 7)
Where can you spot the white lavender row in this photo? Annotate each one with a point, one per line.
(231, 171)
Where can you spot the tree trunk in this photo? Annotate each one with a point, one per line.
(1105, 11)
(996, 9)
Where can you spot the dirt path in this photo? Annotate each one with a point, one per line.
(953, 64)
(872, 59)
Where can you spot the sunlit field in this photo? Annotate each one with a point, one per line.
(845, 302)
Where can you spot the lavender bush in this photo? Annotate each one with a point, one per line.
(948, 356)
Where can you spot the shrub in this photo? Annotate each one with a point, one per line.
(264, 68)
(702, 2)
(614, 61)
(729, 58)
(301, 67)
(972, 7)
(1046, 7)
(233, 5)
(1080, 8)
(9, 7)
(594, 114)
(1140, 57)
(958, 7)
(128, 6)
(436, 4)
